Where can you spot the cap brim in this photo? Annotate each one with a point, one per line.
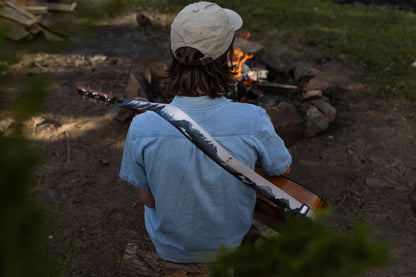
(235, 19)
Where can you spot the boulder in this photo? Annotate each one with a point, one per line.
(287, 121)
(323, 105)
(275, 63)
(304, 73)
(315, 122)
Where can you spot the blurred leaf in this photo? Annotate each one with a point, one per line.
(305, 248)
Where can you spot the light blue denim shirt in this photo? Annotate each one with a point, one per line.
(198, 205)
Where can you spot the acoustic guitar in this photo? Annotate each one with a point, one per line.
(297, 191)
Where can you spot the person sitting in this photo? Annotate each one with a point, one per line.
(193, 207)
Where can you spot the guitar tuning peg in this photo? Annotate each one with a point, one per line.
(107, 100)
(86, 96)
(97, 99)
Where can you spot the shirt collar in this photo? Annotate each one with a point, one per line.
(198, 102)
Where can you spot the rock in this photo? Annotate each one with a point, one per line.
(82, 61)
(5, 124)
(326, 108)
(323, 106)
(304, 73)
(325, 81)
(312, 94)
(320, 82)
(315, 122)
(143, 20)
(97, 59)
(275, 63)
(287, 121)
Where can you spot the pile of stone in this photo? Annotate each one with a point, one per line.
(315, 113)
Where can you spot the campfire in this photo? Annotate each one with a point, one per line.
(297, 100)
(253, 83)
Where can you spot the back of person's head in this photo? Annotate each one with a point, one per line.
(201, 43)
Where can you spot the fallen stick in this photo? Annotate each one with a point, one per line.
(277, 87)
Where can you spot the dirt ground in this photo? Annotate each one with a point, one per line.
(363, 165)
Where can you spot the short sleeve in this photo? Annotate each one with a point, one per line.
(131, 165)
(273, 154)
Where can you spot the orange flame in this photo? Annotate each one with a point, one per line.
(239, 58)
(245, 35)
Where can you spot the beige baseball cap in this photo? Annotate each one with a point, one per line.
(206, 27)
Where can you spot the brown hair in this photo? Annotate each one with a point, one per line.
(190, 72)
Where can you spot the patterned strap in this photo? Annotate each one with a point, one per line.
(220, 155)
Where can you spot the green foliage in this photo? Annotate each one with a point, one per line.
(24, 249)
(305, 248)
(31, 98)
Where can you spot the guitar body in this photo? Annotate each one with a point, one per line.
(292, 188)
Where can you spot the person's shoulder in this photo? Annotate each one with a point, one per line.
(246, 110)
(246, 107)
(148, 121)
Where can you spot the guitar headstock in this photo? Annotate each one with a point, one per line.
(99, 96)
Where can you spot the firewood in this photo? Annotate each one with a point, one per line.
(37, 9)
(20, 3)
(55, 6)
(21, 10)
(18, 17)
(35, 29)
(277, 87)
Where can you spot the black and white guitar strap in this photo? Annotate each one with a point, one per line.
(220, 155)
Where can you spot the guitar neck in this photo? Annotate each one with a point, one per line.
(100, 96)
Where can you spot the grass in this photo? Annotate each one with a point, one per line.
(380, 41)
